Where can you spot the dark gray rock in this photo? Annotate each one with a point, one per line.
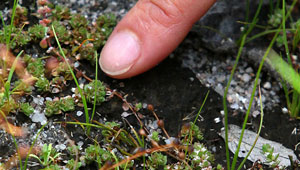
(218, 29)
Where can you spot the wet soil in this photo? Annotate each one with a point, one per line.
(177, 96)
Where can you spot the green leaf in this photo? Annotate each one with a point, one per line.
(285, 70)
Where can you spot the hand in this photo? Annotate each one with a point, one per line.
(149, 32)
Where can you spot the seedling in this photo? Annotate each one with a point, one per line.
(201, 157)
(27, 109)
(97, 154)
(43, 84)
(58, 106)
(190, 130)
(37, 32)
(271, 157)
(48, 155)
(73, 165)
(90, 92)
(157, 160)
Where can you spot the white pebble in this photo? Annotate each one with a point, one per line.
(246, 77)
(217, 120)
(285, 110)
(79, 113)
(267, 85)
(125, 114)
(255, 113)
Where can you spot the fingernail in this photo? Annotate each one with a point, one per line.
(120, 53)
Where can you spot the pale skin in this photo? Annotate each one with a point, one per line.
(148, 33)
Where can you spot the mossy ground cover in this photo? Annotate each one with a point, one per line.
(140, 123)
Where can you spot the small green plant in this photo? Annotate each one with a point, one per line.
(48, 155)
(67, 104)
(275, 19)
(37, 32)
(21, 87)
(90, 91)
(157, 161)
(191, 130)
(154, 136)
(61, 32)
(97, 154)
(52, 167)
(138, 106)
(73, 165)
(52, 108)
(42, 84)
(27, 109)
(201, 157)
(36, 67)
(58, 106)
(271, 157)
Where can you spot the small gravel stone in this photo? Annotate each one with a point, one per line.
(255, 113)
(60, 147)
(214, 69)
(234, 106)
(76, 64)
(249, 70)
(38, 117)
(246, 78)
(125, 114)
(217, 120)
(79, 113)
(221, 78)
(267, 85)
(222, 112)
(80, 143)
(145, 105)
(48, 99)
(285, 110)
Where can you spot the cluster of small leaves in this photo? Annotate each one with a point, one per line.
(37, 32)
(191, 130)
(7, 104)
(42, 84)
(71, 164)
(60, 12)
(97, 154)
(62, 33)
(109, 125)
(95, 89)
(62, 70)
(20, 15)
(271, 157)
(138, 106)
(275, 18)
(157, 161)
(59, 106)
(87, 52)
(47, 157)
(201, 157)
(27, 109)
(154, 136)
(105, 24)
(36, 67)
(21, 37)
(21, 86)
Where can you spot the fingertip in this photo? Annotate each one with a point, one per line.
(120, 53)
(147, 34)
